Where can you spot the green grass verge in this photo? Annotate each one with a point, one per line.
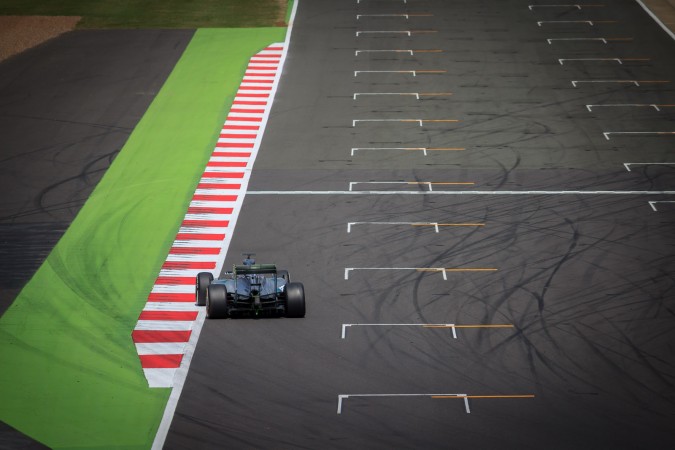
(70, 374)
(155, 13)
(289, 10)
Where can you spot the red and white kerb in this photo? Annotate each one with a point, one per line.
(170, 318)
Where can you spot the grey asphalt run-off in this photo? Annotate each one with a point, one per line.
(586, 280)
(66, 109)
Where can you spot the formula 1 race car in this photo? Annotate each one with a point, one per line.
(250, 289)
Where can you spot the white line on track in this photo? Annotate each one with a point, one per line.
(635, 82)
(424, 150)
(411, 94)
(634, 105)
(607, 134)
(464, 397)
(407, 72)
(357, 149)
(429, 184)
(627, 165)
(419, 121)
(617, 60)
(653, 203)
(429, 325)
(406, 32)
(434, 224)
(178, 382)
(343, 397)
(653, 16)
(358, 16)
(577, 6)
(410, 52)
(354, 122)
(442, 270)
(357, 72)
(604, 40)
(588, 22)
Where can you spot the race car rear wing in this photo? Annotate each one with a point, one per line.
(255, 269)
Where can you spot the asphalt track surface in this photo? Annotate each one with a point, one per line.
(586, 280)
(66, 109)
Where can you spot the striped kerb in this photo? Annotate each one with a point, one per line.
(165, 325)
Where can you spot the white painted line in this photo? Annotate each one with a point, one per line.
(460, 193)
(653, 16)
(411, 52)
(353, 183)
(578, 6)
(177, 379)
(442, 270)
(562, 60)
(407, 72)
(604, 40)
(357, 149)
(550, 40)
(438, 325)
(608, 133)
(412, 94)
(635, 82)
(531, 7)
(359, 33)
(358, 16)
(636, 105)
(354, 122)
(419, 121)
(627, 165)
(424, 150)
(434, 224)
(413, 72)
(429, 184)
(541, 22)
(359, 1)
(653, 203)
(343, 397)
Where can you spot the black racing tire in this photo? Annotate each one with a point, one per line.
(295, 300)
(284, 274)
(216, 301)
(203, 281)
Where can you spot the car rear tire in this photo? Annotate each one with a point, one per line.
(203, 281)
(295, 300)
(216, 301)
